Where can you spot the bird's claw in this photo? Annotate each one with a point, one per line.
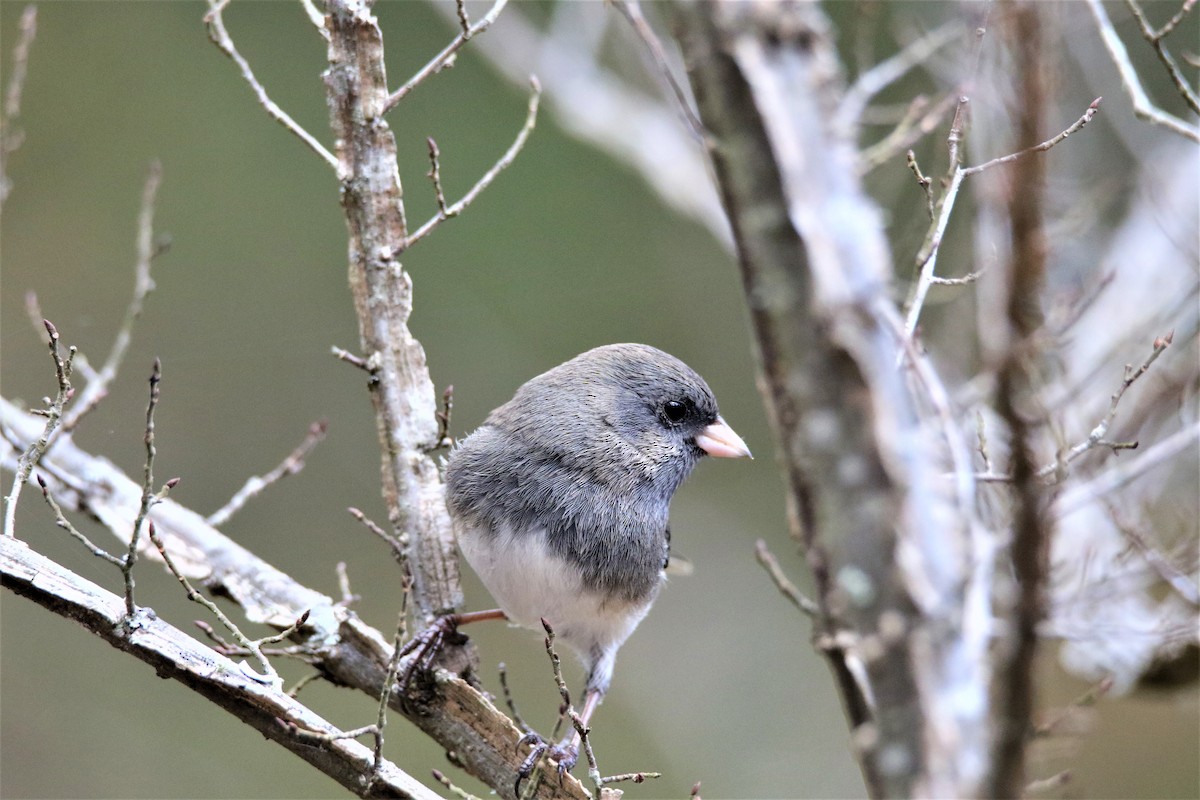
(424, 648)
(564, 755)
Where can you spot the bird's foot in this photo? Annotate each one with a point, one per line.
(564, 754)
(423, 649)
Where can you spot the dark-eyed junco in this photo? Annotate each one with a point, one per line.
(560, 498)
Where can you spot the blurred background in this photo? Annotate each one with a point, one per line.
(567, 250)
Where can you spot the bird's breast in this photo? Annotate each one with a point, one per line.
(530, 582)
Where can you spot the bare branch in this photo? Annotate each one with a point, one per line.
(1171, 575)
(10, 137)
(143, 284)
(356, 361)
(1143, 108)
(631, 10)
(148, 499)
(970, 277)
(927, 256)
(596, 105)
(256, 484)
(179, 656)
(890, 70)
(917, 123)
(1031, 525)
(53, 413)
(27, 31)
(1124, 471)
(1155, 38)
(446, 57)
(269, 676)
(1170, 24)
(316, 17)
(435, 175)
(60, 519)
(922, 180)
(349, 652)
(1096, 437)
(398, 544)
(1092, 108)
(788, 589)
(221, 38)
(445, 212)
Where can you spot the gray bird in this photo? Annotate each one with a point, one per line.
(560, 499)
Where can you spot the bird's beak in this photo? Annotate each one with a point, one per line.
(719, 440)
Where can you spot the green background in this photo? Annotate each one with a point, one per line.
(567, 250)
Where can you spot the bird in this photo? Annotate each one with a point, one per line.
(559, 500)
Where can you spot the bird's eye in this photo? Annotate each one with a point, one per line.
(674, 410)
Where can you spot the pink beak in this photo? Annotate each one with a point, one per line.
(719, 440)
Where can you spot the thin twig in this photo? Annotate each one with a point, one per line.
(147, 491)
(10, 137)
(922, 180)
(398, 544)
(1143, 108)
(256, 484)
(1156, 41)
(300, 652)
(457, 791)
(350, 358)
(1056, 781)
(1087, 699)
(305, 681)
(60, 519)
(389, 681)
(970, 277)
(916, 124)
(788, 589)
(1091, 111)
(958, 132)
(268, 676)
(435, 174)
(143, 284)
(890, 70)
(27, 28)
(444, 439)
(507, 159)
(510, 702)
(316, 17)
(53, 413)
(220, 37)
(631, 10)
(348, 597)
(927, 256)
(320, 738)
(585, 744)
(1171, 575)
(446, 57)
(1095, 437)
(632, 777)
(464, 19)
(556, 667)
(1170, 24)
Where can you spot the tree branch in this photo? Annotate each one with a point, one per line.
(814, 266)
(347, 651)
(175, 655)
(1031, 528)
(401, 389)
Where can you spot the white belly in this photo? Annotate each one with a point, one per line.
(530, 583)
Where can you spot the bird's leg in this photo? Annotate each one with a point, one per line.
(428, 643)
(566, 752)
